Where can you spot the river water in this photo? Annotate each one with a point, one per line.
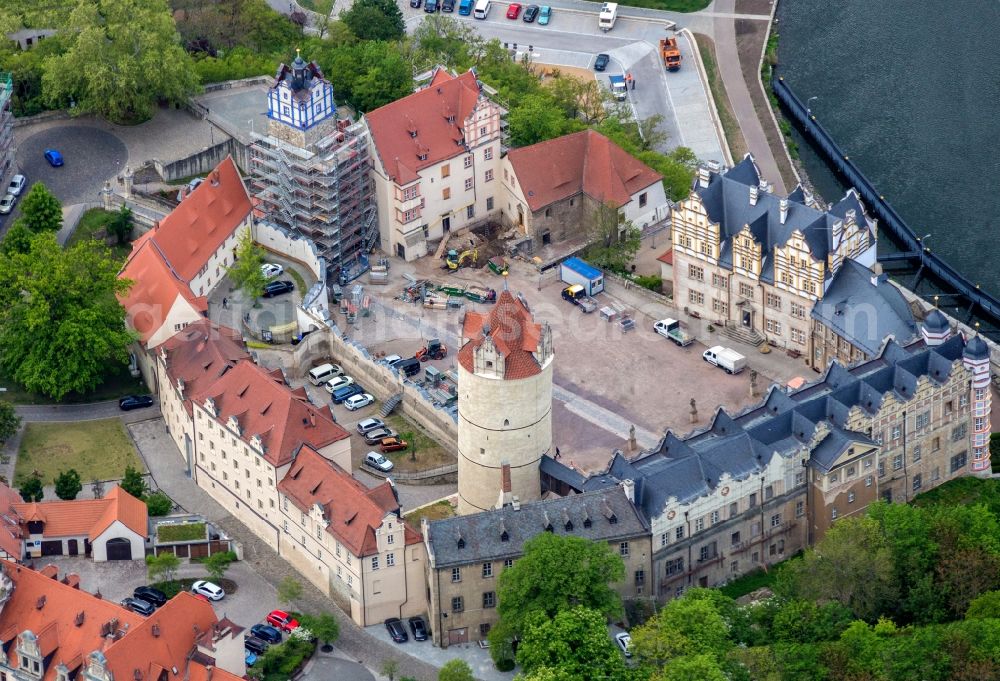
(910, 89)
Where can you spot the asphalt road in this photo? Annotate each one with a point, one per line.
(91, 156)
(84, 412)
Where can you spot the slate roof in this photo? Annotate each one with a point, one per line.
(836, 442)
(286, 76)
(727, 202)
(863, 313)
(782, 425)
(510, 327)
(482, 533)
(584, 161)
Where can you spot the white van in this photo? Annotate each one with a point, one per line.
(323, 373)
(482, 9)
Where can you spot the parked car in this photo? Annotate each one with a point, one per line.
(544, 14)
(255, 645)
(418, 628)
(601, 62)
(513, 10)
(7, 204)
(377, 461)
(530, 13)
(54, 158)
(266, 632)
(16, 185)
(389, 360)
(130, 402)
(358, 401)
(138, 605)
(335, 384)
(347, 392)
(430, 6)
(271, 269)
(393, 444)
(373, 437)
(191, 186)
(212, 592)
(370, 424)
(415, 4)
(150, 595)
(624, 642)
(282, 620)
(395, 628)
(447, 5)
(249, 657)
(276, 288)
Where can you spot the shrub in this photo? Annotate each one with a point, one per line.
(158, 504)
(653, 282)
(505, 664)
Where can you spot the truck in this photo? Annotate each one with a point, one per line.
(618, 89)
(724, 358)
(577, 271)
(670, 53)
(671, 329)
(609, 14)
(481, 294)
(578, 296)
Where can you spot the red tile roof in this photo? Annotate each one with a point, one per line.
(265, 406)
(194, 230)
(667, 257)
(70, 625)
(200, 353)
(418, 124)
(584, 161)
(10, 528)
(512, 329)
(354, 511)
(88, 517)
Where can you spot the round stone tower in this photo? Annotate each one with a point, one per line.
(976, 358)
(504, 405)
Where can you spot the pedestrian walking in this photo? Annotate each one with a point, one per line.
(632, 80)
(225, 303)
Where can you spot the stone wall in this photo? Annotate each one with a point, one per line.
(203, 161)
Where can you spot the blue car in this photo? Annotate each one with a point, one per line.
(544, 14)
(250, 658)
(342, 394)
(54, 158)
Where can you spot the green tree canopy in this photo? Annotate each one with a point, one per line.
(614, 241)
(441, 40)
(162, 568)
(133, 482)
(368, 75)
(158, 504)
(61, 325)
(32, 489)
(245, 272)
(17, 240)
(123, 56)
(535, 119)
(217, 564)
(289, 590)
(68, 485)
(691, 625)
(10, 422)
(41, 211)
(574, 641)
(121, 225)
(375, 20)
(456, 670)
(323, 626)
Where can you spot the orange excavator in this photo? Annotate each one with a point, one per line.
(433, 350)
(670, 53)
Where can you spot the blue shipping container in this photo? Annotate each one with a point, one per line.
(576, 271)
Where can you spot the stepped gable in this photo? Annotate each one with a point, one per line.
(512, 329)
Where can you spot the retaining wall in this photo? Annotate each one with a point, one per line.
(201, 162)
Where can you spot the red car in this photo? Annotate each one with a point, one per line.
(282, 620)
(514, 11)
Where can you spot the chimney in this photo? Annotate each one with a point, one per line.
(629, 487)
(838, 231)
(156, 631)
(703, 176)
(784, 210)
(505, 477)
(753, 195)
(80, 617)
(852, 216)
(764, 186)
(515, 503)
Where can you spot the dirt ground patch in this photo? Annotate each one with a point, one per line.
(436, 511)
(547, 70)
(96, 449)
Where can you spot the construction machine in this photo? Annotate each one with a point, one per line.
(433, 350)
(670, 53)
(454, 260)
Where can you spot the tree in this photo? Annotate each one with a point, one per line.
(289, 590)
(323, 9)
(369, 75)
(133, 482)
(556, 573)
(574, 641)
(162, 568)
(158, 504)
(690, 625)
(32, 489)
(614, 241)
(68, 485)
(121, 226)
(10, 422)
(217, 564)
(442, 40)
(245, 272)
(18, 239)
(61, 324)
(390, 668)
(535, 119)
(692, 668)
(41, 211)
(456, 670)
(122, 57)
(323, 626)
(985, 606)
(375, 20)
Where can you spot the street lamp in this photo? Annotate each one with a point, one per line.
(921, 240)
(808, 110)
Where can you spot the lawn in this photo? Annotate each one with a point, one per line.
(92, 221)
(96, 449)
(429, 453)
(755, 580)
(117, 382)
(180, 532)
(963, 491)
(670, 5)
(734, 136)
(436, 511)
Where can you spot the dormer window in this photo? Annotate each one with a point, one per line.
(461, 543)
(504, 536)
(413, 133)
(422, 157)
(587, 522)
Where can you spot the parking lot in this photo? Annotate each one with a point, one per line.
(478, 658)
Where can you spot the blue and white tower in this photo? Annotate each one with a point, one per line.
(301, 97)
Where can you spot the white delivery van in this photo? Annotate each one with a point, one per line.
(724, 358)
(482, 9)
(323, 373)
